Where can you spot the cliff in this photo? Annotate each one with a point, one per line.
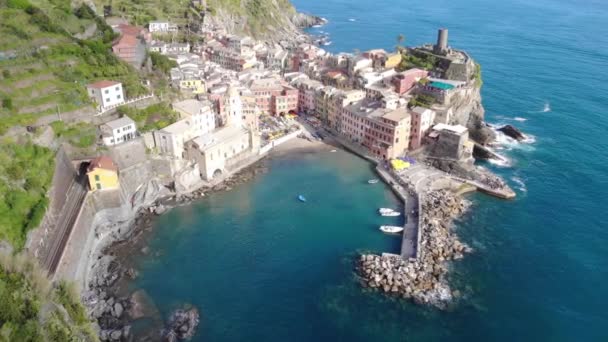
(263, 19)
(467, 110)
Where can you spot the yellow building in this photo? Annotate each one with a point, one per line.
(102, 174)
(196, 86)
(392, 60)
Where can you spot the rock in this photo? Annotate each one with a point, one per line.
(512, 132)
(118, 309)
(182, 324)
(116, 335)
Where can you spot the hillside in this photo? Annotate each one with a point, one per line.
(31, 309)
(269, 19)
(45, 62)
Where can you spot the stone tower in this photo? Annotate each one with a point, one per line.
(233, 108)
(442, 42)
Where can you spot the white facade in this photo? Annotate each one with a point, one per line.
(106, 93)
(118, 131)
(197, 119)
(213, 151)
(161, 26)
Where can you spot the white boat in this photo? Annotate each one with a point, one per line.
(392, 213)
(383, 211)
(391, 229)
(372, 181)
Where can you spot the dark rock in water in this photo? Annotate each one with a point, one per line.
(182, 325)
(512, 132)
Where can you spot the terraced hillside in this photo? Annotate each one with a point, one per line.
(49, 51)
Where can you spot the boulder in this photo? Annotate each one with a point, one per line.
(512, 132)
(118, 310)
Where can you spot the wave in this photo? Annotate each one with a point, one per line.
(547, 107)
(517, 118)
(520, 184)
(503, 162)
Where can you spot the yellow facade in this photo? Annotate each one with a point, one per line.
(101, 179)
(196, 86)
(392, 60)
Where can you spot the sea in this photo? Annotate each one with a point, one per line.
(262, 266)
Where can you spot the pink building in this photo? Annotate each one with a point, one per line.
(406, 80)
(422, 120)
(274, 97)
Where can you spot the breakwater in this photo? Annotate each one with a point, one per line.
(422, 279)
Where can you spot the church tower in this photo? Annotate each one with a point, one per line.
(233, 108)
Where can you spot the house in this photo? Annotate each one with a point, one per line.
(422, 120)
(161, 27)
(102, 174)
(406, 80)
(106, 93)
(130, 49)
(451, 142)
(118, 131)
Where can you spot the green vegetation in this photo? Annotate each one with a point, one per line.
(421, 100)
(50, 67)
(477, 76)
(153, 117)
(27, 171)
(32, 310)
(162, 63)
(80, 135)
(422, 61)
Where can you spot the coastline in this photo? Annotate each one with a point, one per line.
(107, 295)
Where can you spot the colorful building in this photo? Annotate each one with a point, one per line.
(102, 174)
(422, 120)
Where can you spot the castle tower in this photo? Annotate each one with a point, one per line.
(233, 107)
(442, 41)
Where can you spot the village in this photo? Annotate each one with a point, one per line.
(234, 100)
(239, 95)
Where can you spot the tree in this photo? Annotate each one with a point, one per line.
(400, 40)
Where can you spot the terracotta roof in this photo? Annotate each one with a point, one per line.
(102, 84)
(103, 162)
(126, 40)
(129, 29)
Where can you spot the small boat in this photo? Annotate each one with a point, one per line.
(372, 181)
(301, 198)
(391, 229)
(383, 211)
(392, 213)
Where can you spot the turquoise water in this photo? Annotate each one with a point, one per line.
(261, 266)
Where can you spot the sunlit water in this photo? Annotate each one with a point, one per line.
(262, 266)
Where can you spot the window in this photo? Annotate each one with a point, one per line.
(98, 186)
(118, 97)
(97, 178)
(116, 88)
(107, 91)
(108, 99)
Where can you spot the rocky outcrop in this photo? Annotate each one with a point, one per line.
(512, 132)
(303, 20)
(182, 325)
(423, 279)
(270, 20)
(466, 109)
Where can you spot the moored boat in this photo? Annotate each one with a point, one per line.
(372, 181)
(383, 211)
(301, 198)
(391, 229)
(391, 214)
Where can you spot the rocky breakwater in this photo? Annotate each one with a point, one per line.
(424, 279)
